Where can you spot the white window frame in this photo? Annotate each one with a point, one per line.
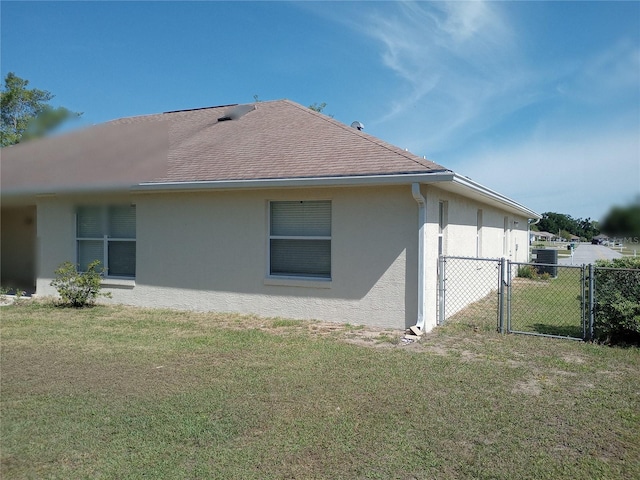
(443, 220)
(105, 239)
(506, 251)
(479, 222)
(297, 279)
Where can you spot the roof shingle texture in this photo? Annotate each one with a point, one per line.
(273, 140)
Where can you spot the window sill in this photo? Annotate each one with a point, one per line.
(128, 283)
(298, 282)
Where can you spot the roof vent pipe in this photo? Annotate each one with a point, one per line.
(357, 125)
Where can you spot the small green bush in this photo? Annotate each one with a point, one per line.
(527, 271)
(78, 289)
(531, 272)
(617, 306)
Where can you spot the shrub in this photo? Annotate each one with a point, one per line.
(544, 276)
(617, 314)
(17, 296)
(78, 289)
(527, 271)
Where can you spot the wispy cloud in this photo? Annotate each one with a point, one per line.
(453, 60)
(606, 75)
(521, 106)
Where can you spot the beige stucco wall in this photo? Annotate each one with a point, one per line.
(470, 282)
(208, 251)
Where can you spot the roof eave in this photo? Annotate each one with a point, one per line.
(328, 181)
(461, 183)
(446, 179)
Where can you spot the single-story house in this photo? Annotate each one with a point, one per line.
(268, 208)
(542, 237)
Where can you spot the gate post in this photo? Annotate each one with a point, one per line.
(441, 290)
(592, 290)
(502, 263)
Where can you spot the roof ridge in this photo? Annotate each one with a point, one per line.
(379, 142)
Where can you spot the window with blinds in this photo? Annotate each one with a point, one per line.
(107, 234)
(300, 239)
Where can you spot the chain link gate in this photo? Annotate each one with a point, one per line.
(551, 300)
(531, 299)
(548, 300)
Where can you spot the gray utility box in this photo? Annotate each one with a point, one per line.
(549, 258)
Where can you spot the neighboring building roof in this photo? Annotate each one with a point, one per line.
(543, 234)
(266, 144)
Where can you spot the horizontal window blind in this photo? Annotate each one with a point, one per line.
(90, 222)
(312, 218)
(107, 234)
(122, 221)
(88, 251)
(300, 239)
(309, 258)
(122, 259)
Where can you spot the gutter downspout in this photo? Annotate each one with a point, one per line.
(422, 241)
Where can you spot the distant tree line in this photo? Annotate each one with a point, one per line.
(566, 226)
(619, 222)
(623, 221)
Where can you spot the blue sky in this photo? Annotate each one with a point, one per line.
(539, 101)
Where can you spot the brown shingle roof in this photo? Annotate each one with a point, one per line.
(274, 140)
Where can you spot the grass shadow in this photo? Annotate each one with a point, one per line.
(572, 331)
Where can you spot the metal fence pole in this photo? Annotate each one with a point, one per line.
(441, 290)
(592, 292)
(507, 283)
(584, 299)
(501, 284)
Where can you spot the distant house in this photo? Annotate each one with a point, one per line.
(268, 208)
(542, 237)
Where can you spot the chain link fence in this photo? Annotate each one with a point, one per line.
(468, 289)
(575, 302)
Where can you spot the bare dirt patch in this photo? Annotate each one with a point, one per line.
(528, 387)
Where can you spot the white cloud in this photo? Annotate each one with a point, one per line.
(582, 175)
(608, 74)
(473, 90)
(455, 63)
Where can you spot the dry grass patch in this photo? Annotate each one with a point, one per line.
(118, 392)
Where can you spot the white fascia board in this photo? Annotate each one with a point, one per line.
(480, 191)
(152, 187)
(364, 180)
(446, 179)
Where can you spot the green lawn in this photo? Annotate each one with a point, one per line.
(122, 393)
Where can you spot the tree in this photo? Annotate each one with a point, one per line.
(623, 221)
(26, 113)
(318, 108)
(565, 225)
